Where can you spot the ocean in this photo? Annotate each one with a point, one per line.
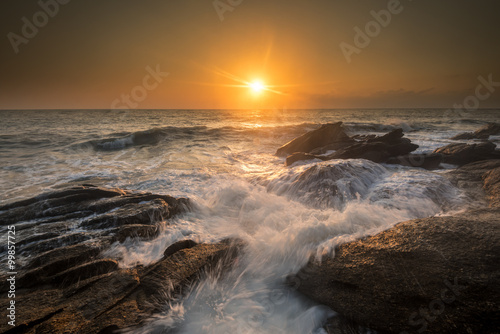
(224, 161)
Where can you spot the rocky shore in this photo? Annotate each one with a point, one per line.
(68, 286)
(433, 275)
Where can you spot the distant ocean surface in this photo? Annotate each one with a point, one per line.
(224, 161)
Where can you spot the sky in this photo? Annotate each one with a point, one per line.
(228, 54)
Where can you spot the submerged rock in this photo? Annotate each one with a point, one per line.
(65, 283)
(328, 184)
(433, 275)
(461, 153)
(426, 161)
(491, 129)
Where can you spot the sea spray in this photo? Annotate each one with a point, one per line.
(280, 237)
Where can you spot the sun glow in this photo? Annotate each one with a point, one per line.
(257, 86)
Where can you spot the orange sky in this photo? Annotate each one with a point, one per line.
(92, 54)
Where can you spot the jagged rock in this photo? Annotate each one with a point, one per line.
(491, 129)
(327, 134)
(55, 220)
(373, 148)
(433, 275)
(427, 161)
(118, 299)
(68, 285)
(374, 151)
(461, 153)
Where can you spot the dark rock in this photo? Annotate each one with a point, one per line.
(68, 285)
(327, 134)
(183, 244)
(300, 156)
(427, 161)
(491, 129)
(373, 148)
(84, 271)
(374, 151)
(433, 275)
(131, 214)
(461, 153)
(389, 138)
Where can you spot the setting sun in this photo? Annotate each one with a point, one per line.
(257, 86)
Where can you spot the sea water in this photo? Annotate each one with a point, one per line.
(223, 160)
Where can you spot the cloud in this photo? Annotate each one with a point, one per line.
(398, 98)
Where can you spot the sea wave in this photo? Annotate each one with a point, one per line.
(328, 184)
(154, 136)
(377, 127)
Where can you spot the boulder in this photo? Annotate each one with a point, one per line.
(461, 153)
(426, 161)
(491, 129)
(433, 275)
(327, 134)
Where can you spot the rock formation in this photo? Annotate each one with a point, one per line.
(491, 129)
(64, 283)
(432, 275)
(461, 153)
(314, 144)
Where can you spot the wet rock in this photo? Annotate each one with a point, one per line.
(183, 244)
(491, 129)
(300, 156)
(327, 134)
(426, 161)
(65, 283)
(461, 153)
(433, 275)
(374, 151)
(492, 186)
(329, 184)
(480, 179)
(373, 148)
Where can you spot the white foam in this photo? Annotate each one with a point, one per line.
(281, 236)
